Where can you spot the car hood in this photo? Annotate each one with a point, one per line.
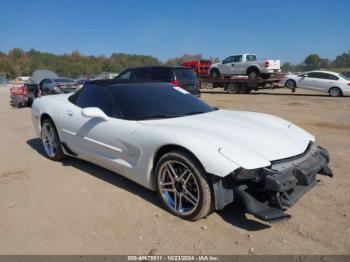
(214, 65)
(239, 134)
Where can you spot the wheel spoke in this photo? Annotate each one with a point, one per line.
(172, 171)
(188, 178)
(51, 135)
(188, 195)
(183, 174)
(175, 200)
(168, 189)
(45, 133)
(166, 184)
(180, 202)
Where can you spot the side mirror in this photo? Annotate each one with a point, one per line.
(94, 112)
(305, 75)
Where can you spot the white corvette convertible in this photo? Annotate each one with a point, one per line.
(199, 159)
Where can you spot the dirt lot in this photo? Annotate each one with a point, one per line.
(75, 207)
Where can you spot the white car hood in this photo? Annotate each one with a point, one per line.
(242, 135)
(214, 65)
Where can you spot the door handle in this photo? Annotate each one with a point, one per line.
(69, 113)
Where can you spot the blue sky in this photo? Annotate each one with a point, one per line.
(288, 30)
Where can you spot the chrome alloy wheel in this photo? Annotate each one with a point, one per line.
(335, 91)
(178, 187)
(48, 140)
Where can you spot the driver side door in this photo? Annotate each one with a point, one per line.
(308, 80)
(226, 66)
(95, 139)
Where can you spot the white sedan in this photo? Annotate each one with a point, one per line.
(199, 159)
(332, 83)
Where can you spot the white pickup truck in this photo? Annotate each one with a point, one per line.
(245, 64)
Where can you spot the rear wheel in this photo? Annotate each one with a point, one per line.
(215, 73)
(253, 73)
(335, 91)
(50, 141)
(233, 88)
(183, 186)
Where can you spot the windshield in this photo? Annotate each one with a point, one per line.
(155, 101)
(184, 73)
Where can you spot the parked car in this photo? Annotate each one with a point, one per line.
(196, 157)
(245, 64)
(58, 85)
(22, 94)
(334, 84)
(199, 67)
(178, 75)
(81, 81)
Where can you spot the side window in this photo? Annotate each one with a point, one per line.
(125, 76)
(228, 60)
(142, 73)
(161, 74)
(93, 96)
(237, 58)
(251, 58)
(331, 77)
(314, 75)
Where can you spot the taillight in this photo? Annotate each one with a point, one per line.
(348, 84)
(267, 64)
(24, 90)
(175, 82)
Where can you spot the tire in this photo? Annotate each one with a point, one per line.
(215, 73)
(290, 84)
(50, 141)
(180, 176)
(335, 92)
(233, 88)
(245, 90)
(253, 73)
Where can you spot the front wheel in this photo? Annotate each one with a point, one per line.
(50, 141)
(290, 84)
(183, 186)
(335, 91)
(215, 73)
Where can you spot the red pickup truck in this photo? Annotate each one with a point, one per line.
(22, 94)
(199, 67)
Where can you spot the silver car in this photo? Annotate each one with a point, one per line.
(334, 84)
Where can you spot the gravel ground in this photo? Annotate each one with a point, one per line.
(74, 207)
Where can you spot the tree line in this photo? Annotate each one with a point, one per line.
(18, 62)
(315, 62)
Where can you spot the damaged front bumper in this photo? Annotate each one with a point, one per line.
(267, 192)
